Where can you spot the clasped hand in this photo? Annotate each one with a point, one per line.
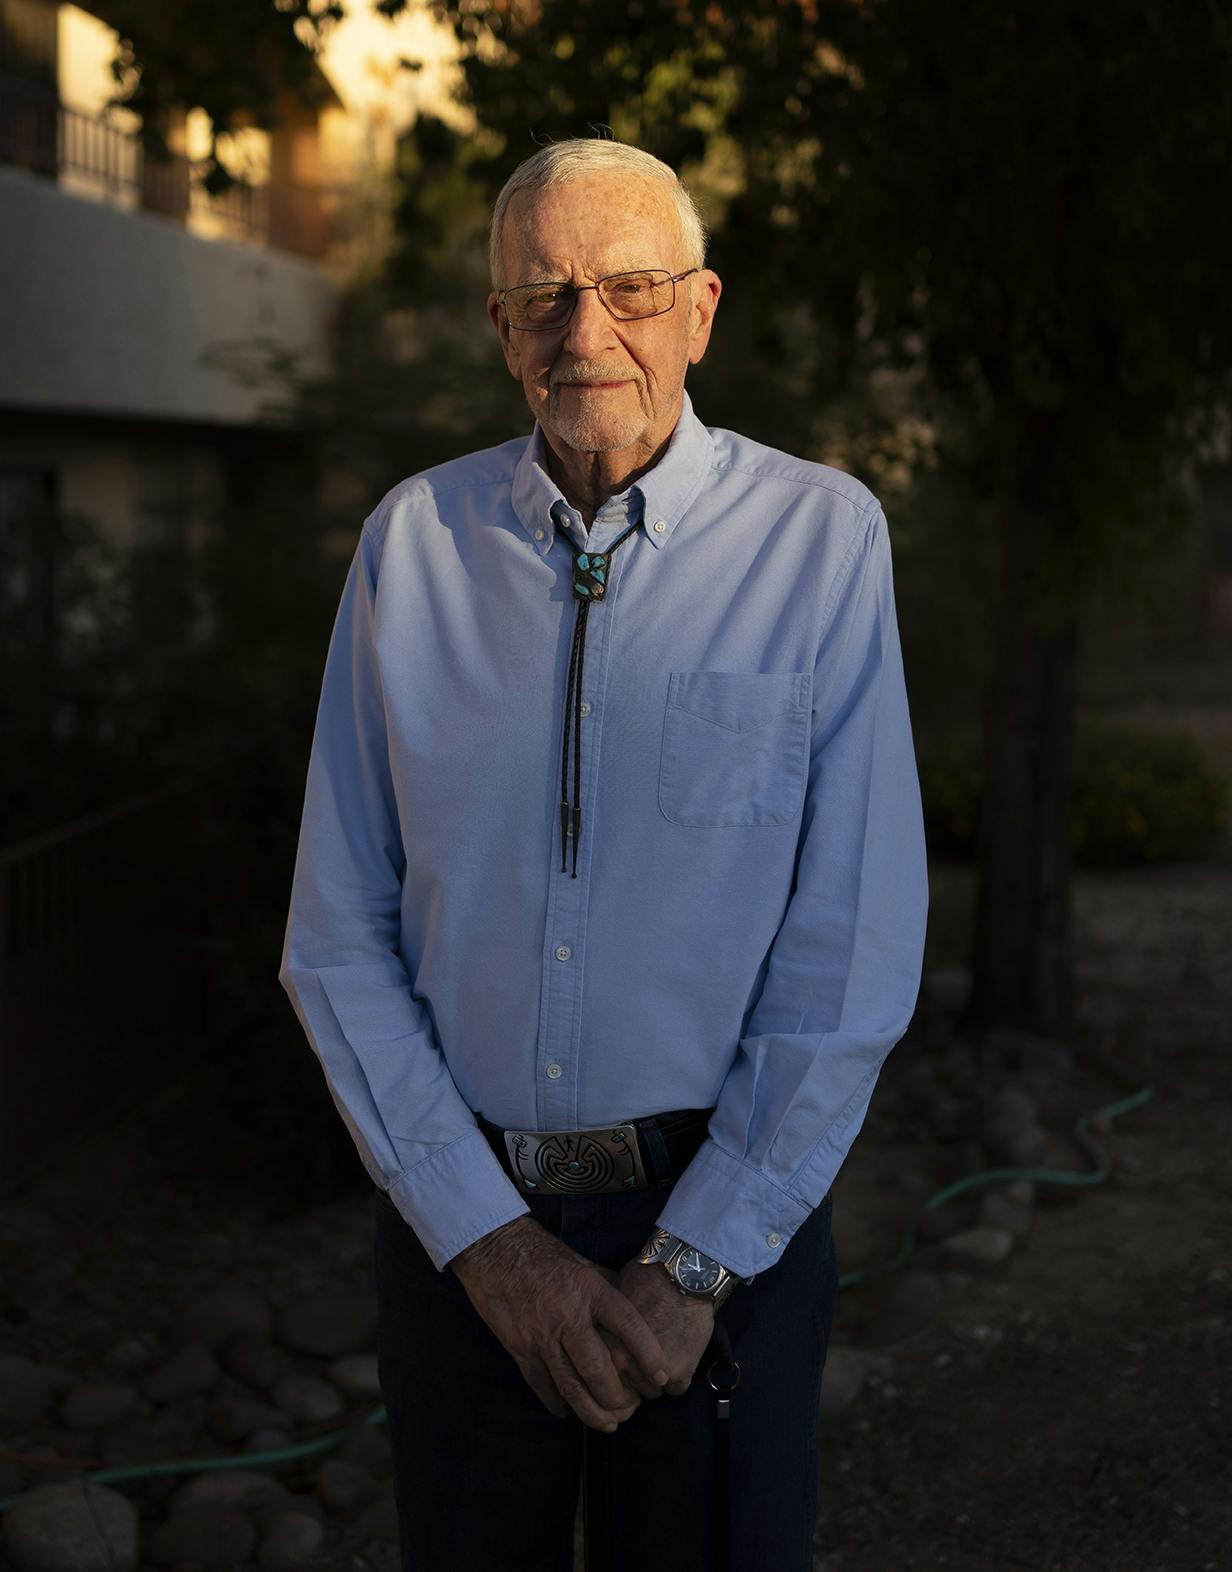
(588, 1340)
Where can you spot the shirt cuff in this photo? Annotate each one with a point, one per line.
(732, 1212)
(456, 1196)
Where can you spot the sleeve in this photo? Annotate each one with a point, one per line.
(341, 967)
(843, 971)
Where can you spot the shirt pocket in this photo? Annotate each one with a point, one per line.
(735, 747)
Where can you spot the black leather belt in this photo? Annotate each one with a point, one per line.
(604, 1159)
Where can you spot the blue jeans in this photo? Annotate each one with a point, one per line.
(487, 1480)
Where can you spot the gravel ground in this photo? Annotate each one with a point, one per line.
(1067, 1413)
(1072, 1415)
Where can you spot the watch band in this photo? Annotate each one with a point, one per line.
(683, 1261)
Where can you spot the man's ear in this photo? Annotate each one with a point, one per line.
(496, 314)
(707, 287)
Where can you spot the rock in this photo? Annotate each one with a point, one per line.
(330, 1324)
(181, 1420)
(131, 1355)
(270, 1438)
(891, 1327)
(133, 1441)
(207, 1535)
(938, 1222)
(947, 988)
(1062, 1155)
(959, 1160)
(845, 1372)
(1010, 1131)
(914, 1182)
(942, 1112)
(27, 1391)
(369, 1447)
(214, 1318)
(192, 1369)
(234, 1419)
(356, 1375)
(1000, 1212)
(91, 1404)
(343, 1485)
(257, 1361)
(74, 1526)
(288, 1539)
(912, 1290)
(291, 1503)
(380, 1517)
(957, 1069)
(1021, 1192)
(1009, 1107)
(855, 1242)
(239, 1487)
(954, 1281)
(981, 1245)
(1019, 1050)
(1025, 1149)
(308, 1505)
(308, 1398)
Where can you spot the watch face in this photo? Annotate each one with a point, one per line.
(695, 1271)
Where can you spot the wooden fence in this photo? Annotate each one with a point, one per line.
(103, 993)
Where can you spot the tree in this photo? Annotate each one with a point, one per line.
(1018, 206)
(230, 58)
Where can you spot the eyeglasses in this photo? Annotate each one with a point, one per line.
(539, 308)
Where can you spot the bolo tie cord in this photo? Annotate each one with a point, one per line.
(589, 585)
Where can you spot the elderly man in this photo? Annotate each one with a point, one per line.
(609, 905)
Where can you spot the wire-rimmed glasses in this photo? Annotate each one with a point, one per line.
(544, 306)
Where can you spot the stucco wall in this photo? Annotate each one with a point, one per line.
(108, 311)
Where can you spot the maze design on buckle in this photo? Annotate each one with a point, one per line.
(570, 1162)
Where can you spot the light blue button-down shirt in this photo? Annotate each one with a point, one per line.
(746, 927)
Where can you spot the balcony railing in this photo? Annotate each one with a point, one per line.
(39, 133)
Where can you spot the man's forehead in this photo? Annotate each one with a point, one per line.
(602, 223)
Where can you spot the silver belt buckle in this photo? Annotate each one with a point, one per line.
(576, 1162)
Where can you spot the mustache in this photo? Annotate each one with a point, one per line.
(592, 371)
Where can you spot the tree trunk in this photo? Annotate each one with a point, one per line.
(1023, 950)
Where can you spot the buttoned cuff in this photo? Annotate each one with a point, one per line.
(456, 1196)
(731, 1211)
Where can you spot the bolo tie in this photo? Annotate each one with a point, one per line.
(590, 570)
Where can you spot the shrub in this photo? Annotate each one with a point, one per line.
(1139, 796)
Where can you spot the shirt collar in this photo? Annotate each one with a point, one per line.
(666, 491)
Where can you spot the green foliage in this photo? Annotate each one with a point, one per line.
(1140, 796)
(993, 196)
(231, 58)
(92, 648)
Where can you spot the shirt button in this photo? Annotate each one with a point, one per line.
(585, 707)
(563, 952)
(659, 526)
(553, 1071)
(538, 534)
(771, 1239)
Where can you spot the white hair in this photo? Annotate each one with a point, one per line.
(561, 161)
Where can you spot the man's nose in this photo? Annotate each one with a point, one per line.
(590, 327)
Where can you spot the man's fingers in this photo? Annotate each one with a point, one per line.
(627, 1367)
(620, 1315)
(539, 1379)
(578, 1395)
(592, 1361)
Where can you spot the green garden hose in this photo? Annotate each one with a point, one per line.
(286, 1454)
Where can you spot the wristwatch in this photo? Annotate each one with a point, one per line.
(695, 1274)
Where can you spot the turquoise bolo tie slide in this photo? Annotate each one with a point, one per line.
(590, 575)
